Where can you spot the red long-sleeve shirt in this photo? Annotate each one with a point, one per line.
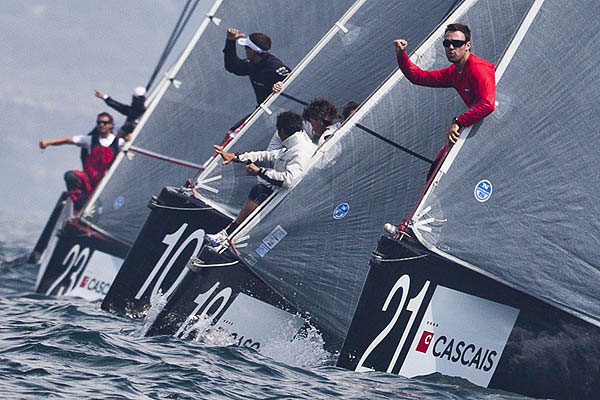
(476, 84)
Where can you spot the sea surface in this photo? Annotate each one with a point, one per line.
(69, 348)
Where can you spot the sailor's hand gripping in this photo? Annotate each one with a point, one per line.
(227, 157)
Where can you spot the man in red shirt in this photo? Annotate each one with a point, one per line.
(471, 76)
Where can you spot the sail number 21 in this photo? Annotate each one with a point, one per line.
(413, 306)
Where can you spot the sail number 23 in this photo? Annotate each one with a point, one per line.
(413, 307)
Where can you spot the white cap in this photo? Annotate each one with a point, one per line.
(139, 91)
(245, 41)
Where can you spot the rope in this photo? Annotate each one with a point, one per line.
(371, 132)
(181, 208)
(161, 157)
(177, 30)
(380, 259)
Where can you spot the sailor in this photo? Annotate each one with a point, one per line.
(321, 114)
(102, 150)
(348, 110)
(279, 168)
(318, 117)
(134, 111)
(263, 68)
(471, 76)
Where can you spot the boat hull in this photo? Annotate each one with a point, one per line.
(222, 295)
(173, 232)
(419, 314)
(83, 263)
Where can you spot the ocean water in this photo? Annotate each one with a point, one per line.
(70, 348)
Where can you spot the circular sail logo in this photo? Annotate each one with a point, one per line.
(483, 191)
(341, 211)
(119, 201)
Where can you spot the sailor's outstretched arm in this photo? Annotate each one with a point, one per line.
(56, 142)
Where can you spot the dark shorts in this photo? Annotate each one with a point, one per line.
(259, 193)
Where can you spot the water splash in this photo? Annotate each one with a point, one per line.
(305, 350)
(157, 303)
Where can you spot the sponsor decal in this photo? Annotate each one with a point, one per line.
(483, 191)
(460, 335)
(254, 323)
(341, 211)
(118, 203)
(468, 354)
(425, 341)
(94, 285)
(250, 259)
(270, 241)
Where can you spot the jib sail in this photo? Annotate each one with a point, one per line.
(518, 198)
(200, 101)
(314, 245)
(350, 62)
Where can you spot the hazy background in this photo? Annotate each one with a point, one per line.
(54, 54)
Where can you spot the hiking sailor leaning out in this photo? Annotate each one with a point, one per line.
(279, 168)
(471, 76)
(102, 147)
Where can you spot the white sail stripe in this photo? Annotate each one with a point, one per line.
(161, 90)
(206, 187)
(342, 27)
(265, 109)
(213, 162)
(211, 179)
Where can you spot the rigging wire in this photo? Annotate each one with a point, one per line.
(177, 30)
(371, 132)
(162, 157)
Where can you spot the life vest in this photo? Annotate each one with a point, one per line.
(95, 142)
(97, 163)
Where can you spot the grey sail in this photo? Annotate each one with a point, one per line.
(349, 63)
(314, 245)
(188, 118)
(519, 197)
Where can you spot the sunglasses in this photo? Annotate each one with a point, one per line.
(103, 122)
(455, 43)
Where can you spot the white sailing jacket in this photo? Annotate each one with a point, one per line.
(283, 166)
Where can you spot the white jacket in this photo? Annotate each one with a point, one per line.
(285, 165)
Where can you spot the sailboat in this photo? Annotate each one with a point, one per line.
(192, 109)
(293, 246)
(504, 234)
(490, 289)
(348, 63)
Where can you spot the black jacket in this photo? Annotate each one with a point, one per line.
(262, 75)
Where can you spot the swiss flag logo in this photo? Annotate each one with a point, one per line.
(425, 341)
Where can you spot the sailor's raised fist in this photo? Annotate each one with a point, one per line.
(400, 45)
(233, 34)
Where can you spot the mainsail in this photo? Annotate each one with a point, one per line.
(315, 244)
(200, 101)
(516, 199)
(351, 61)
